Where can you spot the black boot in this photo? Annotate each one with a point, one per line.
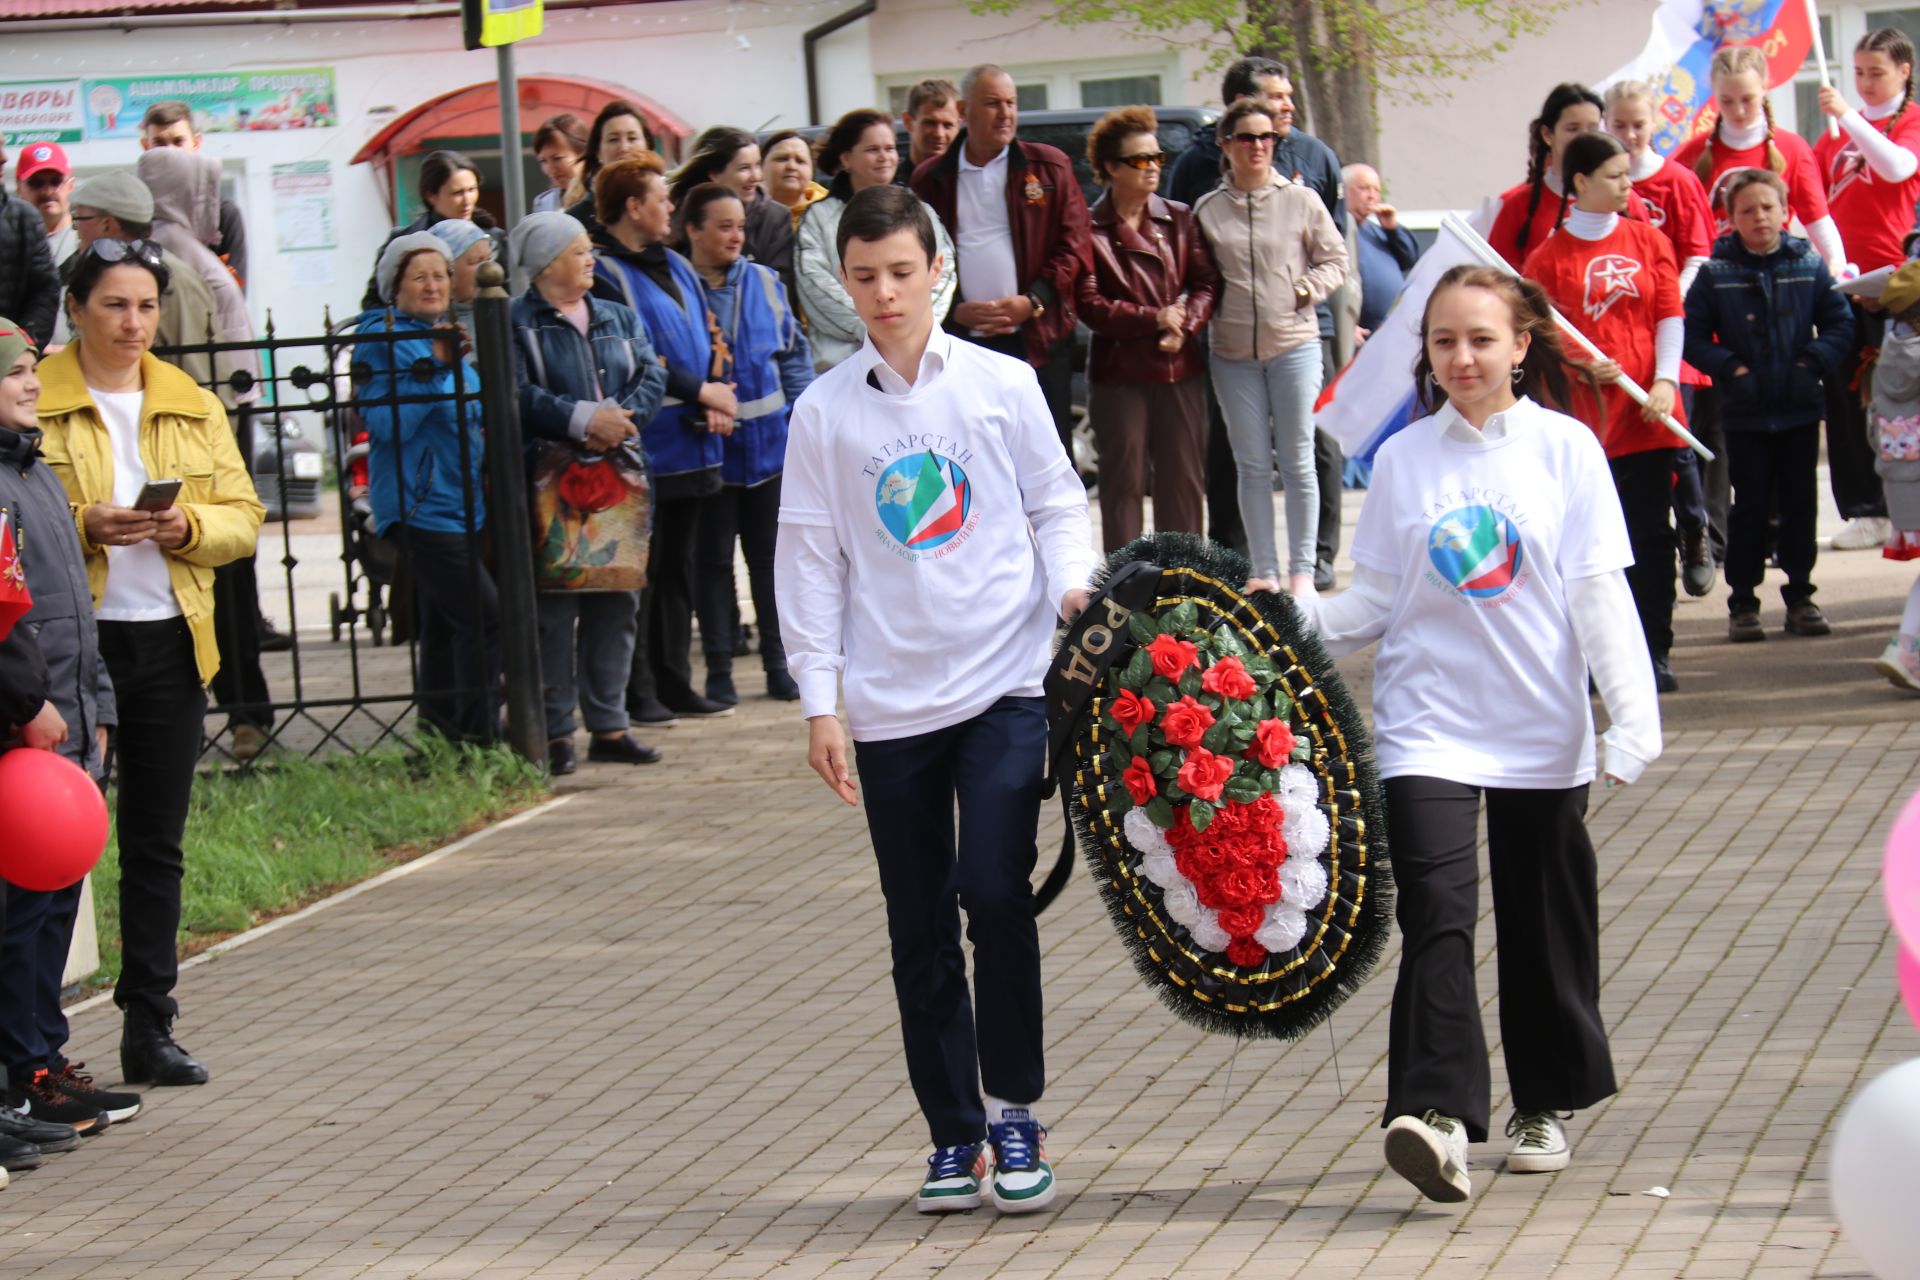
(720, 679)
(147, 1052)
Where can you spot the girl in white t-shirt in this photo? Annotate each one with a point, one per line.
(1488, 566)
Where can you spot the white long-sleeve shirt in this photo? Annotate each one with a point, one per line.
(928, 534)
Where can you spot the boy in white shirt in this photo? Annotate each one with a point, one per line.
(932, 532)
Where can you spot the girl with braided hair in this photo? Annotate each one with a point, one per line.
(1872, 174)
(1744, 137)
(1532, 211)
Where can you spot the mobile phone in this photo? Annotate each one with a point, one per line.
(157, 495)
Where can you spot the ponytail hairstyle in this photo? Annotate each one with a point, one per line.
(1895, 44)
(1583, 158)
(1540, 151)
(1544, 372)
(1732, 60)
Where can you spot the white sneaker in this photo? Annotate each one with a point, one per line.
(1863, 533)
(1430, 1151)
(1899, 662)
(1539, 1143)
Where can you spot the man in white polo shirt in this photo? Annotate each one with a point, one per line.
(1020, 231)
(932, 534)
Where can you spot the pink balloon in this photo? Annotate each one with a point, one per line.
(1900, 872)
(1910, 984)
(56, 827)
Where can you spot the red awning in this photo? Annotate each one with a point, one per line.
(475, 110)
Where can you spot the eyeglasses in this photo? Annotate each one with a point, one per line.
(1145, 160)
(143, 251)
(1256, 139)
(88, 217)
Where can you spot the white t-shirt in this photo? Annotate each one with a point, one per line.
(983, 240)
(1480, 678)
(138, 588)
(927, 537)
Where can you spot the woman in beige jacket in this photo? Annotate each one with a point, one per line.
(1279, 255)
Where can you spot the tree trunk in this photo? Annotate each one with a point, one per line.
(1334, 103)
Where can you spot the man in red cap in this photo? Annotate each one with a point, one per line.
(45, 180)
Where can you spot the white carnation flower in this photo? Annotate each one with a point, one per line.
(1306, 831)
(1303, 882)
(1143, 835)
(1298, 787)
(1283, 930)
(1207, 933)
(1161, 869)
(1182, 903)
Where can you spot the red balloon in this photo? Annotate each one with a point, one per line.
(55, 824)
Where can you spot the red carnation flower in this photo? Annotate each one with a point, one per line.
(1246, 953)
(1138, 778)
(1273, 744)
(1172, 657)
(1246, 888)
(1185, 723)
(1228, 678)
(1242, 922)
(1132, 711)
(1204, 775)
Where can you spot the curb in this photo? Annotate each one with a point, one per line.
(351, 891)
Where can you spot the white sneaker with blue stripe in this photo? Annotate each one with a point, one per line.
(953, 1179)
(1022, 1178)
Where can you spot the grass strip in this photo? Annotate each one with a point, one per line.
(263, 843)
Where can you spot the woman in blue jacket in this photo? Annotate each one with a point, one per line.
(770, 364)
(683, 439)
(420, 401)
(587, 376)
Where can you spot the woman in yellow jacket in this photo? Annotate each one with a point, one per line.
(114, 418)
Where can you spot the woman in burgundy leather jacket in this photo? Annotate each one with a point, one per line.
(1150, 292)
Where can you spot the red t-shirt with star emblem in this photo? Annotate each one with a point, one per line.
(1504, 235)
(1806, 195)
(1615, 290)
(1677, 208)
(1873, 215)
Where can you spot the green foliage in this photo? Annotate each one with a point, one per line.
(1414, 48)
(262, 843)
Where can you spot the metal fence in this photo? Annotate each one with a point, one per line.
(313, 416)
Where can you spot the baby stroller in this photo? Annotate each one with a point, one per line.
(376, 574)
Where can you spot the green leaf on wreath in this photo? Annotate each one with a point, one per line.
(1243, 735)
(1182, 617)
(1228, 643)
(1218, 739)
(1200, 814)
(1190, 682)
(1138, 742)
(1161, 693)
(1138, 671)
(1107, 721)
(1244, 790)
(1174, 793)
(1269, 780)
(1163, 763)
(1141, 628)
(1303, 752)
(1159, 812)
(1257, 708)
(1282, 705)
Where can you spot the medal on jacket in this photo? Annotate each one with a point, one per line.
(1036, 194)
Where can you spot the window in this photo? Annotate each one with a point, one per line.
(1907, 20)
(1032, 97)
(897, 99)
(1120, 91)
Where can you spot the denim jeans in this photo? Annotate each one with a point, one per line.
(1268, 405)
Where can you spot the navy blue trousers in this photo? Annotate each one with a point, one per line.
(992, 766)
(33, 955)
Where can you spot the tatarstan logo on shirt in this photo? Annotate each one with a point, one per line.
(1610, 277)
(1477, 553)
(924, 497)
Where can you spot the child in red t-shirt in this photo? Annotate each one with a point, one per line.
(1530, 212)
(1616, 281)
(1872, 172)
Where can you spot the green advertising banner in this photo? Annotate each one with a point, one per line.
(230, 102)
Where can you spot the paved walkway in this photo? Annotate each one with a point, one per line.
(651, 1032)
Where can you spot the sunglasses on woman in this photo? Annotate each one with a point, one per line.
(144, 251)
(1255, 139)
(1146, 160)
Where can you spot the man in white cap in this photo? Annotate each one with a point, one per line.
(118, 206)
(29, 286)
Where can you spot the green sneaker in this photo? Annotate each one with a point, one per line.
(953, 1179)
(1022, 1178)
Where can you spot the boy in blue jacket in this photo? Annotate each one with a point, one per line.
(1764, 322)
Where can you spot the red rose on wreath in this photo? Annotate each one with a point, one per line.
(591, 487)
(1132, 711)
(1246, 953)
(1139, 781)
(1242, 922)
(1228, 678)
(1273, 744)
(1204, 775)
(1186, 722)
(1172, 657)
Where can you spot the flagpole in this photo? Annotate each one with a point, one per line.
(1485, 252)
(1820, 55)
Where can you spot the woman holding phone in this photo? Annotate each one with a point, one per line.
(115, 418)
